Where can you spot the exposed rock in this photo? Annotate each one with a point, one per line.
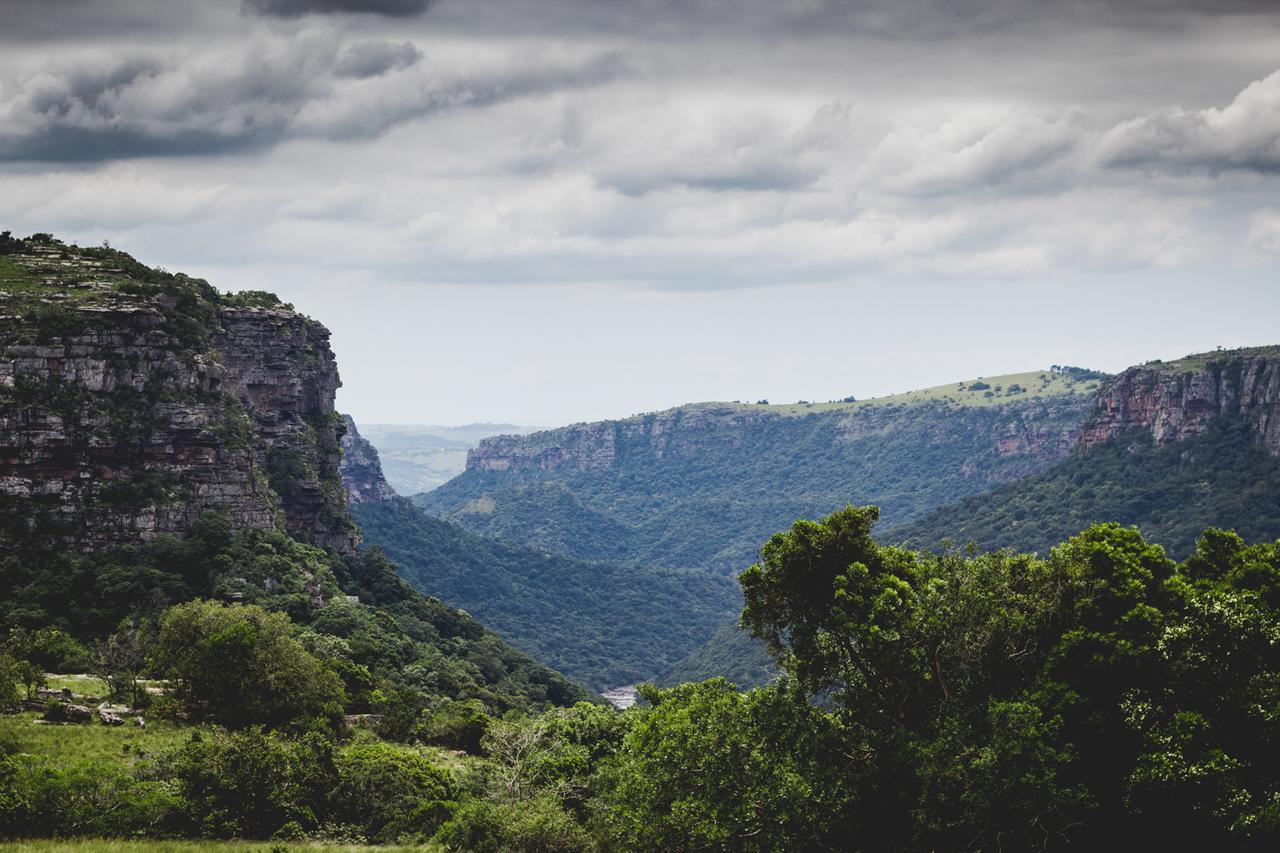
(65, 712)
(1178, 400)
(1040, 431)
(126, 413)
(361, 469)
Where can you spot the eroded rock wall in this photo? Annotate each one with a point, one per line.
(361, 468)
(122, 419)
(1179, 400)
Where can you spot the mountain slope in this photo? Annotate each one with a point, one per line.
(1170, 448)
(704, 485)
(604, 624)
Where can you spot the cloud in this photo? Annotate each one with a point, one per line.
(1243, 136)
(373, 58)
(251, 96)
(299, 8)
(973, 151)
(1264, 230)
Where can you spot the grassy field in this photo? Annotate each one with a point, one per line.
(105, 845)
(78, 684)
(1035, 384)
(23, 733)
(1199, 361)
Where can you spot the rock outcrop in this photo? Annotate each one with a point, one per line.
(132, 400)
(1179, 400)
(361, 469)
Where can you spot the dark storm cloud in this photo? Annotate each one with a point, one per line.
(245, 98)
(298, 8)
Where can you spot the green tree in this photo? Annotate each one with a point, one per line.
(253, 782)
(241, 666)
(709, 768)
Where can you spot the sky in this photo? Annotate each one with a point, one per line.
(547, 211)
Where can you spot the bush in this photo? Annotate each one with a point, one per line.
(390, 792)
(535, 824)
(253, 783)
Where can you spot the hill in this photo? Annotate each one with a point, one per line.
(1170, 448)
(704, 485)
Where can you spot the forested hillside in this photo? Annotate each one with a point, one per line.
(604, 624)
(702, 486)
(1220, 478)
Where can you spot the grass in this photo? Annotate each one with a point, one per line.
(80, 685)
(106, 845)
(1036, 384)
(22, 733)
(1199, 361)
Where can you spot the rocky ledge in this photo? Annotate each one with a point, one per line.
(361, 468)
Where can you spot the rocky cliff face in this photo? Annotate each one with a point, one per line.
(1178, 400)
(132, 400)
(361, 469)
(599, 446)
(1038, 432)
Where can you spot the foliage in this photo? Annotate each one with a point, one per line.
(391, 792)
(602, 623)
(1099, 695)
(710, 768)
(62, 594)
(252, 783)
(1220, 478)
(241, 666)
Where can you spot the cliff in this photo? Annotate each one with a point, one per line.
(704, 485)
(132, 400)
(1032, 432)
(361, 469)
(1179, 400)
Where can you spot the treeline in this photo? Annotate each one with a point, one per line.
(1101, 696)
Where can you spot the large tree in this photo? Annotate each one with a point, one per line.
(240, 665)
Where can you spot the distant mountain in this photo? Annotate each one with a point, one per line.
(418, 458)
(704, 485)
(1171, 447)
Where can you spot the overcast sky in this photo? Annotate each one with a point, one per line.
(542, 211)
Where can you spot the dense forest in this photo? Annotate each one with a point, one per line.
(600, 623)
(1221, 478)
(702, 486)
(1099, 695)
